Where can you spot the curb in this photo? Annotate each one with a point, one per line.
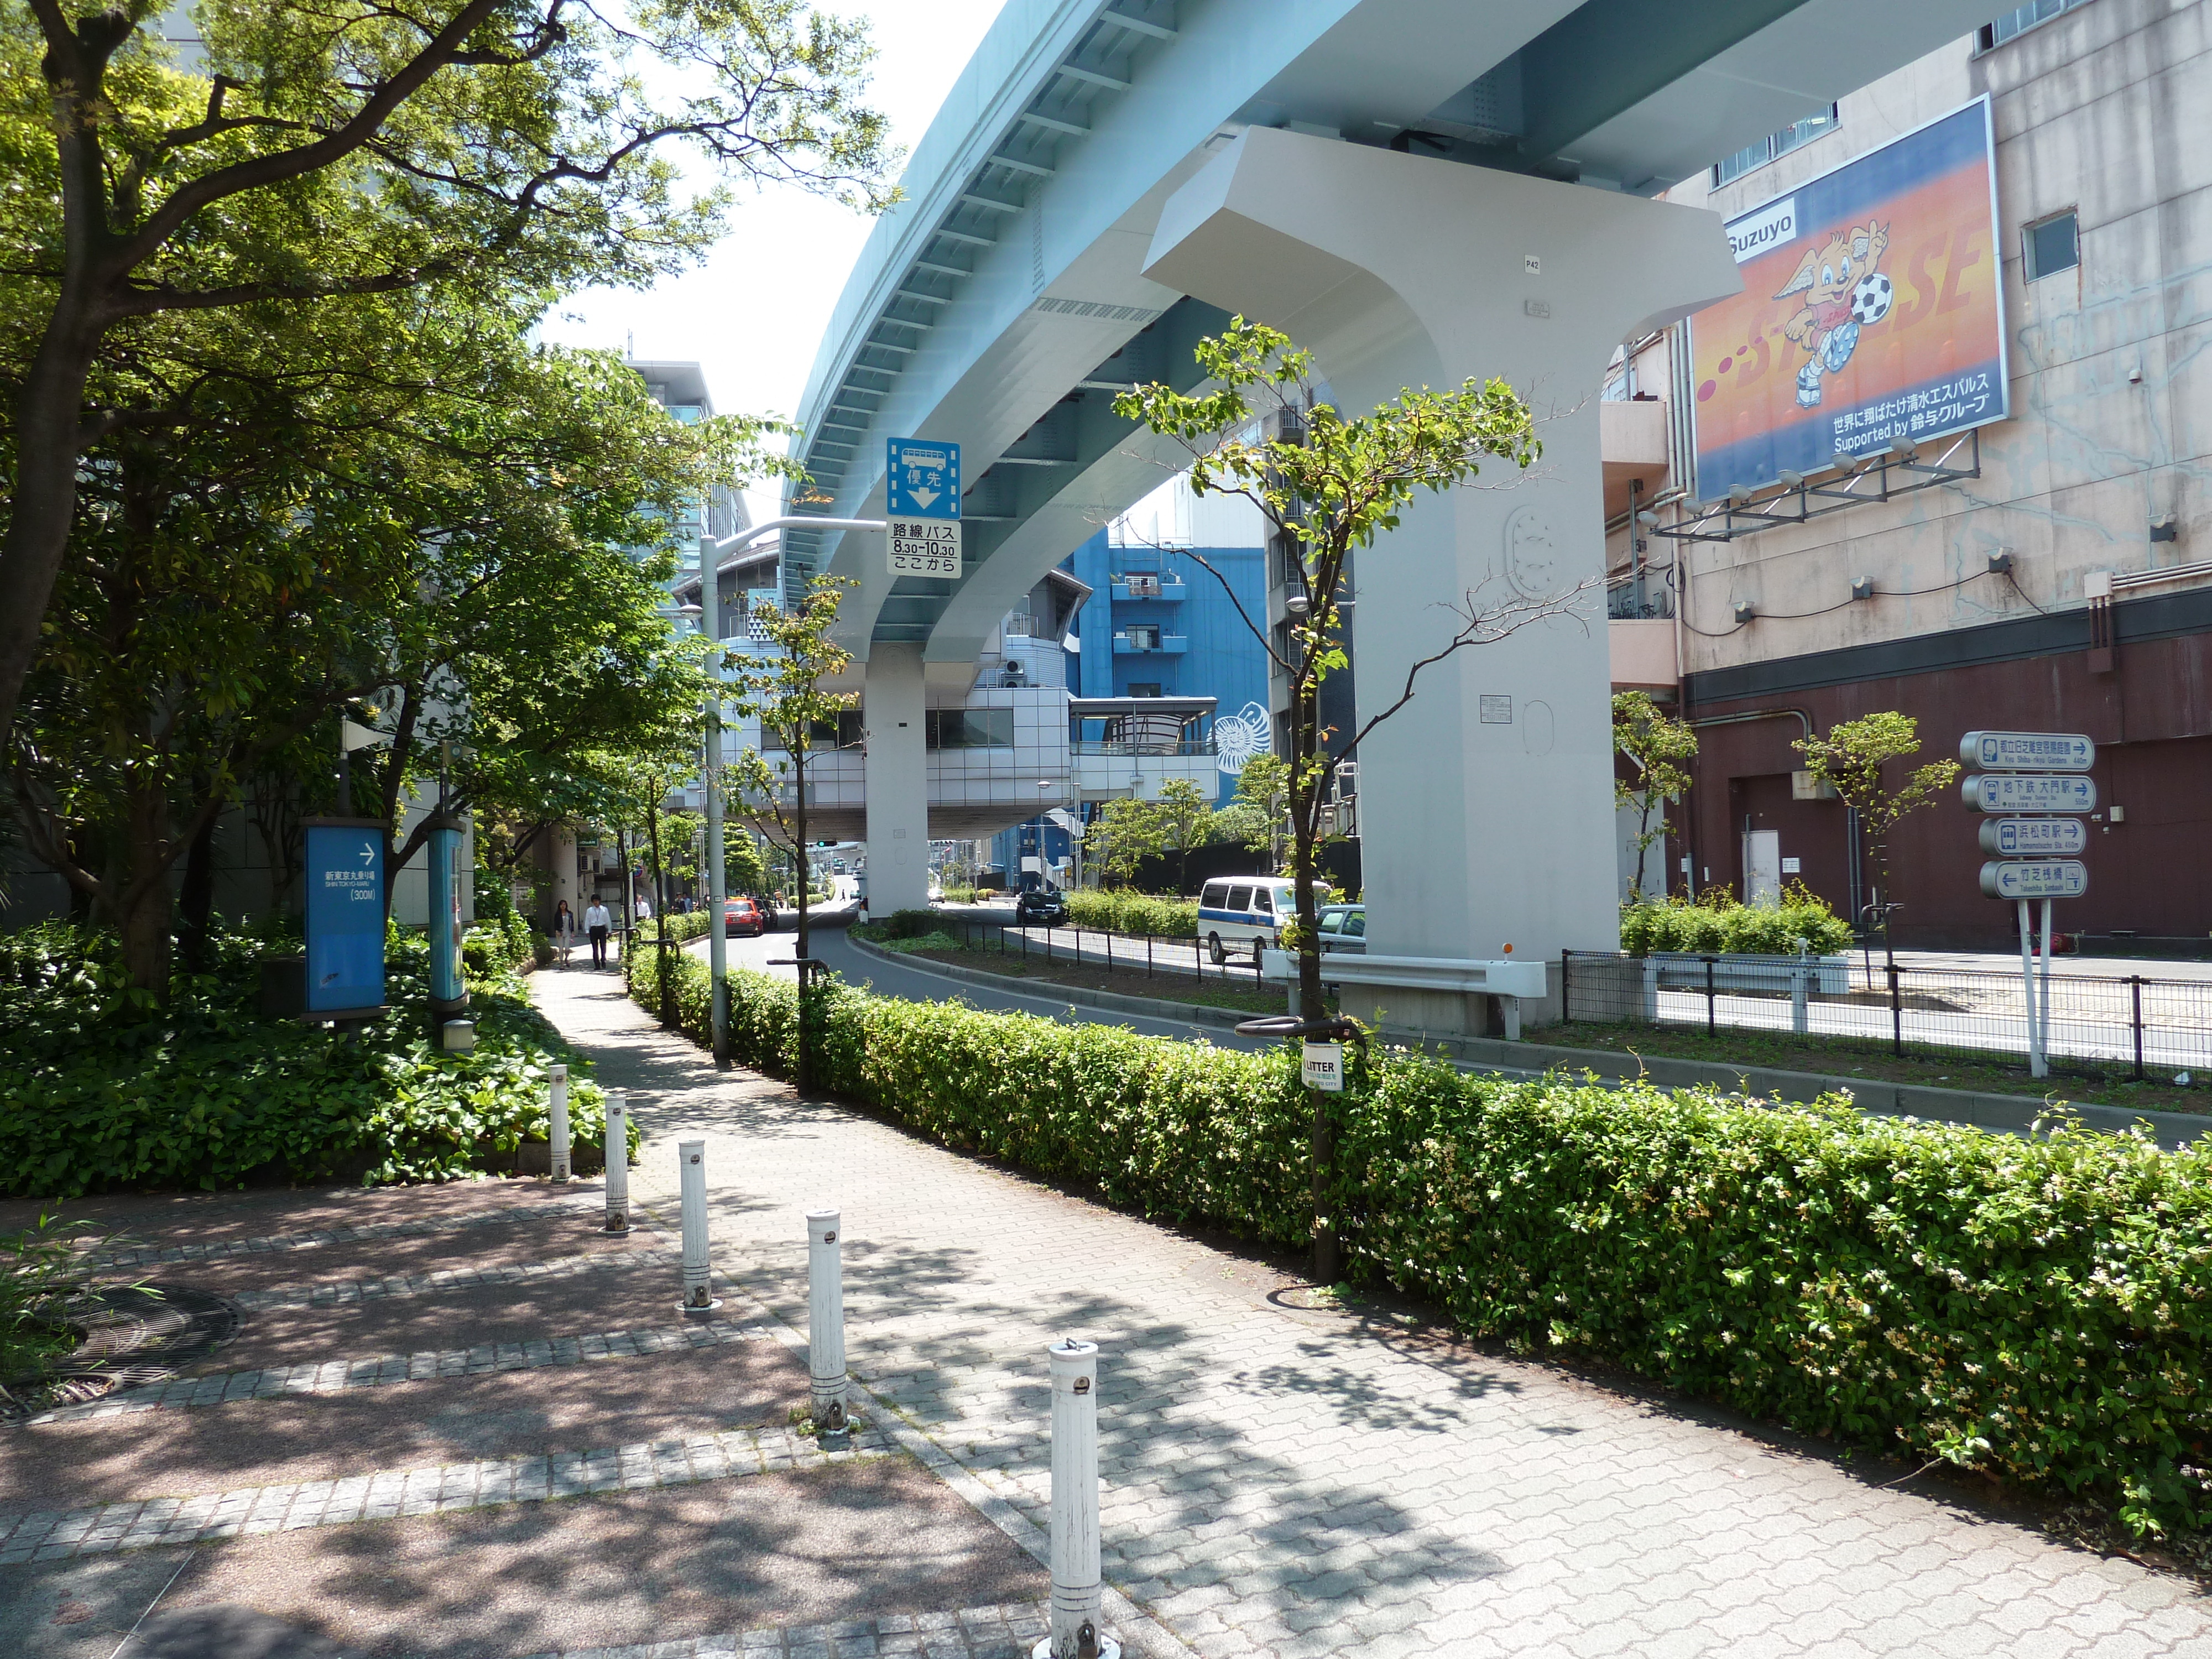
(2007, 1113)
(1195, 1013)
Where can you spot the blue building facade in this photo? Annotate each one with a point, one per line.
(1156, 624)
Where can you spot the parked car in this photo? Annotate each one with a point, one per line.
(1342, 928)
(1235, 909)
(1041, 906)
(742, 915)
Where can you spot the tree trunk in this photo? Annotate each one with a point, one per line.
(662, 975)
(196, 903)
(49, 411)
(144, 897)
(1305, 789)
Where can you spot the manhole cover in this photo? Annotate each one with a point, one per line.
(129, 1336)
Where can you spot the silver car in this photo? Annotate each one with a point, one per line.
(1343, 927)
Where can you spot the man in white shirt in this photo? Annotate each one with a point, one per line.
(597, 921)
(644, 908)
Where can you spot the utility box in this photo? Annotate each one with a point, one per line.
(1803, 786)
(283, 988)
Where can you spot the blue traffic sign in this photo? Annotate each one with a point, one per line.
(2028, 752)
(345, 917)
(2029, 792)
(922, 480)
(2046, 879)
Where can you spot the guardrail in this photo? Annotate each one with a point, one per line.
(2128, 1025)
(1153, 954)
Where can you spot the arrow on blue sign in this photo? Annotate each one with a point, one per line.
(922, 479)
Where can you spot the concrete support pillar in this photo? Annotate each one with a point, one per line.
(898, 781)
(565, 884)
(1488, 813)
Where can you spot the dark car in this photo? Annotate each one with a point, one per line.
(1043, 907)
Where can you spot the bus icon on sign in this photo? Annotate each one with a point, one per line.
(921, 480)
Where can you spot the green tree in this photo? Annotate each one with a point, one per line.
(1329, 485)
(1851, 759)
(1660, 748)
(1261, 807)
(509, 148)
(1186, 819)
(781, 688)
(1126, 833)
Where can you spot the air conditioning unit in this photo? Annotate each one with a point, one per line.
(1347, 780)
(1143, 585)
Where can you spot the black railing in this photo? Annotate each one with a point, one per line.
(2100, 1024)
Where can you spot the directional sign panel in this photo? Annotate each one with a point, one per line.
(2033, 838)
(2026, 791)
(345, 917)
(2047, 878)
(2028, 752)
(924, 547)
(922, 480)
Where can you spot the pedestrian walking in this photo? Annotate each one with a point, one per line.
(644, 908)
(564, 930)
(597, 921)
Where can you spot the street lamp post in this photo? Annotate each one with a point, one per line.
(710, 600)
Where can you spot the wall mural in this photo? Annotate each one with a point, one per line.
(1238, 737)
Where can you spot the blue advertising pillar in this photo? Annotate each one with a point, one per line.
(449, 994)
(345, 918)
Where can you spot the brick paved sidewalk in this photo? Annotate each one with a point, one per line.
(1296, 1483)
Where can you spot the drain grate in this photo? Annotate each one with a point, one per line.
(130, 1336)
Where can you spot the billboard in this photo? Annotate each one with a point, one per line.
(1872, 310)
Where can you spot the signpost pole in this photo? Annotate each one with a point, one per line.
(710, 617)
(2027, 989)
(2042, 1014)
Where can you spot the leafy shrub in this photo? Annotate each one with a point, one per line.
(1717, 923)
(902, 924)
(1115, 911)
(959, 894)
(2037, 1309)
(98, 1092)
(935, 941)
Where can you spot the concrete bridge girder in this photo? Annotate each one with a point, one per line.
(1492, 818)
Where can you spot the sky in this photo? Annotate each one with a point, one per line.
(753, 313)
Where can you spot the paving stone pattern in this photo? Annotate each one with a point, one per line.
(250, 1509)
(1291, 1483)
(330, 1375)
(349, 1292)
(142, 1255)
(1005, 1632)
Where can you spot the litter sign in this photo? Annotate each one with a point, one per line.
(1323, 1067)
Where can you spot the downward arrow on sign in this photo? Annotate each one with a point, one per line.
(924, 496)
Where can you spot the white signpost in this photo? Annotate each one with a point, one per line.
(2041, 773)
(925, 547)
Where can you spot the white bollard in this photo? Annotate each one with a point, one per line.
(556, 1133)
(1077, 1595)
(691, 1172)
(825, 1328)
(617, 1161)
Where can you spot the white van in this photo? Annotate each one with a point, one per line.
(1238, 908)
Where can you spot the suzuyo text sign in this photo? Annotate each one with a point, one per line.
(2033, 838)
(2046, 878)
(921, 480)
(1323, 1066)
(2028, 792)
(924, 547)
(2028, 752)
(345, 917)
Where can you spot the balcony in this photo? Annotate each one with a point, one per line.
(1632, 444)
(1137, 588)
(1130, 643)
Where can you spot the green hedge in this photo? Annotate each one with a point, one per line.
(98, 1091)
(2038, 1311)
(1717, 924)
(1111, 910)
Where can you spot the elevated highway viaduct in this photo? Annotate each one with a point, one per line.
(1420, 191)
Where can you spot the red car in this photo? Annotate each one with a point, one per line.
(742, 915)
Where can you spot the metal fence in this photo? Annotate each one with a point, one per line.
(1151, 954)
(2099, 1025)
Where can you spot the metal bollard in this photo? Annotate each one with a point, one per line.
(825, 1328)
(699, 1301)
(617, 1161)
(1077, 1595)
(556, 1133)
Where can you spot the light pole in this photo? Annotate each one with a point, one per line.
(710, 599)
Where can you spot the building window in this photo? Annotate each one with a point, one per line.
(1793, 136)
(2020, 20)
(843, 733)
(1144, 688)
(2050, 246)
(968, 728)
